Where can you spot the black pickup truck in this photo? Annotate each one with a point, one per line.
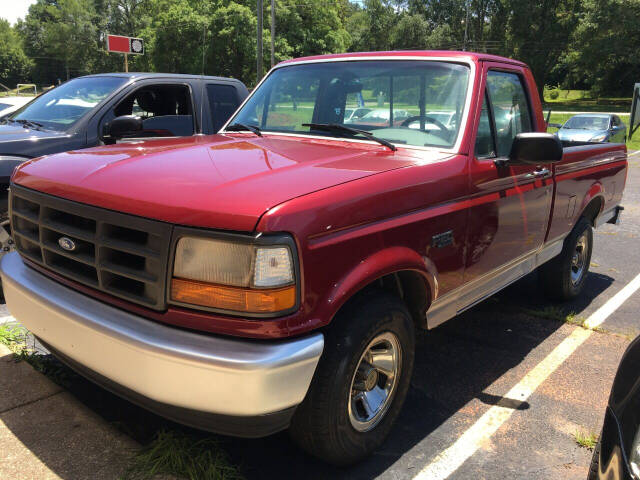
(102, 109)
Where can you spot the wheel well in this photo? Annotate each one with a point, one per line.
(408, 285)
(592, 210)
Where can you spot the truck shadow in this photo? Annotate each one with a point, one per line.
(455, 363)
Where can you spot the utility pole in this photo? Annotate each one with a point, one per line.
(466, 25)
(259, 43)
(273, 32)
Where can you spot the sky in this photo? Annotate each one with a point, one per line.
(12, 10)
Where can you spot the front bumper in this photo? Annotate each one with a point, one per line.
(226, 385)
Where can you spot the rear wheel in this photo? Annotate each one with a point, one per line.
(360, 383)
(564, 276)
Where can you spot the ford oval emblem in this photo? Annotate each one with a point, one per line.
(67, 244)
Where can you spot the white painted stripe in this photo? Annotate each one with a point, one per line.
(600, 315)
(634, 153)
(564, 112)
(448, 461)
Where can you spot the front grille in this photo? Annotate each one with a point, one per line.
(123, 255)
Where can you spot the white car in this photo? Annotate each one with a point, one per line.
(11, 104)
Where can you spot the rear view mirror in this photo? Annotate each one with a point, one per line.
(535, 148)
(554, 125)
(123, 126)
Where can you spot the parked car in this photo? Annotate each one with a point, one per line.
(617, 454)
(380, 116)
(352, 115)
(11, 104)
(593, 127)
(433, 119)
(272, 276)
(81, 113)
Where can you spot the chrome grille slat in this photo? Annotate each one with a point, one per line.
(120, 254)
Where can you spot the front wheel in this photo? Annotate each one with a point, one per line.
(564, 276)
(360, 383)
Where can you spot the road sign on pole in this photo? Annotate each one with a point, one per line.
(126, 45)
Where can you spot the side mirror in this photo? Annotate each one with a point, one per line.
(535, 148)
(122, 126)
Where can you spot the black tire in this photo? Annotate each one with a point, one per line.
(594, 473)
(556, 274)
(322, 424)
(3, 218)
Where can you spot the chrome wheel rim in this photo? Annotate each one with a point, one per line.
(374, 382)
(579, 259)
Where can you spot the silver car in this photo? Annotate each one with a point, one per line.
(593, 127)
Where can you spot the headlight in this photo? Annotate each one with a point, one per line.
(233, 276)
(599, 138)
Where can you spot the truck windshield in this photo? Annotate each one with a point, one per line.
(407, 102)
(60, 108)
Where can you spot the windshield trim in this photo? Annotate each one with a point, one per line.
(465, 113)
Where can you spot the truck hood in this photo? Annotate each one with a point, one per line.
(221, 181)
(17, 140)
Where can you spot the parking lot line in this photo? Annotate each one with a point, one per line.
(449, 460)
(634, 153)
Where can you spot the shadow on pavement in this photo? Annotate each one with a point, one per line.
(454, 364)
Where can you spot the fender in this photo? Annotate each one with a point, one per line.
(596, 191)
(376, 266)
(8, 163)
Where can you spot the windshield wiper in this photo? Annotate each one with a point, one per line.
(239, 127)
(333, 127)
(29, 124)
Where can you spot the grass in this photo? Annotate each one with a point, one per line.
(582, 100)
(586, 440)
(15, 338)
(183, 455)
(633, 144)
(554, 313)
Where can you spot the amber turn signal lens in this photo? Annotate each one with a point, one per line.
(233, 298)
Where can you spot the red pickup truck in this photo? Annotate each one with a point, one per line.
(272, 276)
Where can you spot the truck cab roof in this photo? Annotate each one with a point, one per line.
(154, 75)
(473, 56)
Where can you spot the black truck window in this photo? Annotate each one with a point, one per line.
(166, 110)
(223, 101)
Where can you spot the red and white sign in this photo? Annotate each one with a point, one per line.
(118, 43)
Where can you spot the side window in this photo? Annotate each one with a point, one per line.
(485, 147)
(223, 101)
(510, 108)
(166, 110)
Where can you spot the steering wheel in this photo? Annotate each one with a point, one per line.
(437, 123)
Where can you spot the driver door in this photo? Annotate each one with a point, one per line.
(510, 221)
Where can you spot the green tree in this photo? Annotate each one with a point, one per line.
(371, 26)
(605, 47)
(15, 66)
(62, 33)
(538, 33)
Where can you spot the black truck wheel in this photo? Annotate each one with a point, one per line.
(360, 383)
(564, 276)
